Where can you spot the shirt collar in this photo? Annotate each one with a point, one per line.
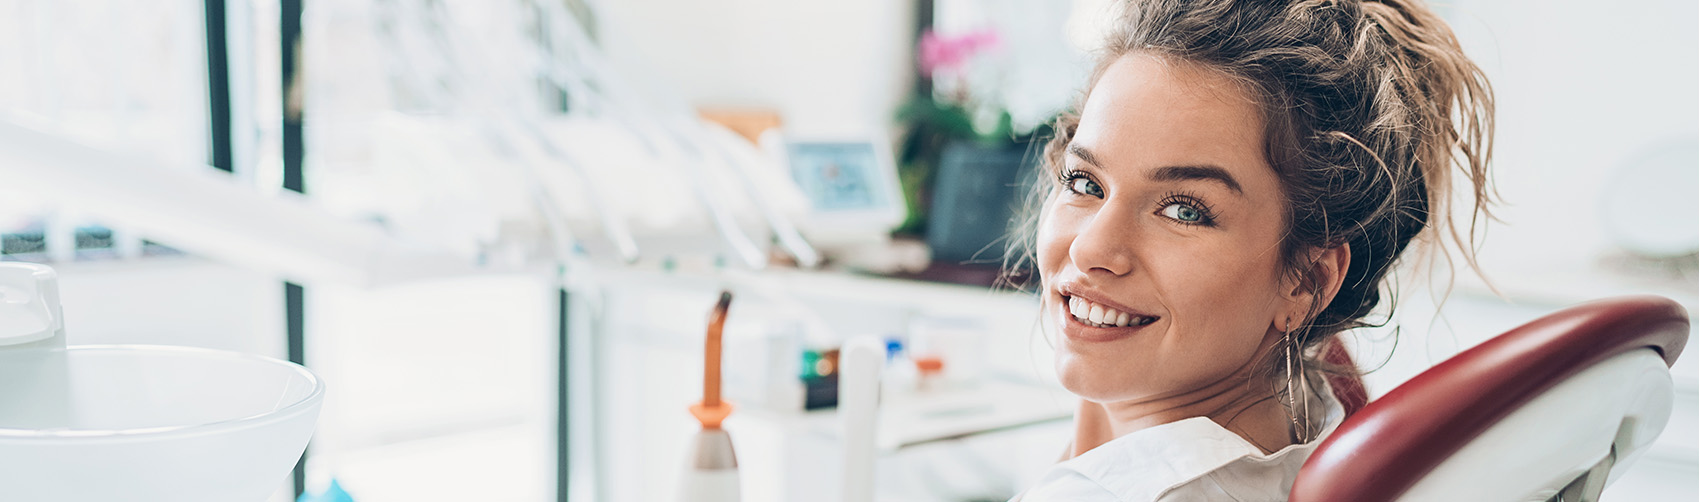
(1170, 454)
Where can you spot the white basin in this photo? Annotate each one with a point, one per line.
(104, 423)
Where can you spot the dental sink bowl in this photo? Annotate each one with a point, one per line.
(106, 423)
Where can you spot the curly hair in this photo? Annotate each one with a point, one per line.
(1368, 105)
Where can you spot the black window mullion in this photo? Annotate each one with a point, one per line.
(294, 151)
(218, 87)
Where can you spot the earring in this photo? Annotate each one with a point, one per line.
(1295, 381)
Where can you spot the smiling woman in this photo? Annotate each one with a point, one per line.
(1166, 211)
(1238, 182)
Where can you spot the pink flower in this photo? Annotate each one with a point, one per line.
(950, 53)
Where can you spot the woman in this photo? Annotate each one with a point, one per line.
(1240, 179)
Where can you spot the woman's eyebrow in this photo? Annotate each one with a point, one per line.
(1084, 154)
(1204, 172)
(1171, 173)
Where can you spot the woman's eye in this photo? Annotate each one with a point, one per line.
(1085, 186)
(1183, 213)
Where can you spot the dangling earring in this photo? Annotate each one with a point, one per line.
(1295, 381)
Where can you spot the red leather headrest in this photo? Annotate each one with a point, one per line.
(1385, 448)
(1348, 388)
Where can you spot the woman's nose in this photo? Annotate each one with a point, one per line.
(1106, 243)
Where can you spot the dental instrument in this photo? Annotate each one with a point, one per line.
(671, 136)
(503, 135)
(721, 139)
(587, 70)
(713, 472)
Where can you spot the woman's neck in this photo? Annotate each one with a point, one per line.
(1240, 402)
(1239, 405)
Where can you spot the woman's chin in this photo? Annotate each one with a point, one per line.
(1087, 380)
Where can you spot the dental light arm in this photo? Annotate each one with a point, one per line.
(209, 214)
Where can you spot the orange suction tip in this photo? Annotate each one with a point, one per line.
(712, 410)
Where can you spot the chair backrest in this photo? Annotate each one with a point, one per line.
(1393, 443)
(1348, 388)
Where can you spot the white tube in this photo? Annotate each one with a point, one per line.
(860, 363)
(210, 214)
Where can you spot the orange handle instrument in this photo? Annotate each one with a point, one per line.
(712, 410)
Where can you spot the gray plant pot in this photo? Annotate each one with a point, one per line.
(976, 197)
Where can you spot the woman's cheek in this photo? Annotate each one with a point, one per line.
(1058, 226)
(1048, 243)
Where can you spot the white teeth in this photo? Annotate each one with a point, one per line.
(1094, 314)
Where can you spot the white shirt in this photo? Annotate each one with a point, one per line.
(1188, 460)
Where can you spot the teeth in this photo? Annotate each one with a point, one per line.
(1099, 315)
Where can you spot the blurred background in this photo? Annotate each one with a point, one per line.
(495, 227)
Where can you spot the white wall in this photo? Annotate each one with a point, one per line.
(830, 68)
(172, 301)
(124, 75)
(1582, 88)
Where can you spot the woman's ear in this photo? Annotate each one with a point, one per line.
(1318, 284)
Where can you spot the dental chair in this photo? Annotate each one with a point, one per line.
(1550, 411)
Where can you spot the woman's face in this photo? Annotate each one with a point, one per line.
(1160, 248)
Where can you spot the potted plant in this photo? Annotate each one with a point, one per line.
(963, 162)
